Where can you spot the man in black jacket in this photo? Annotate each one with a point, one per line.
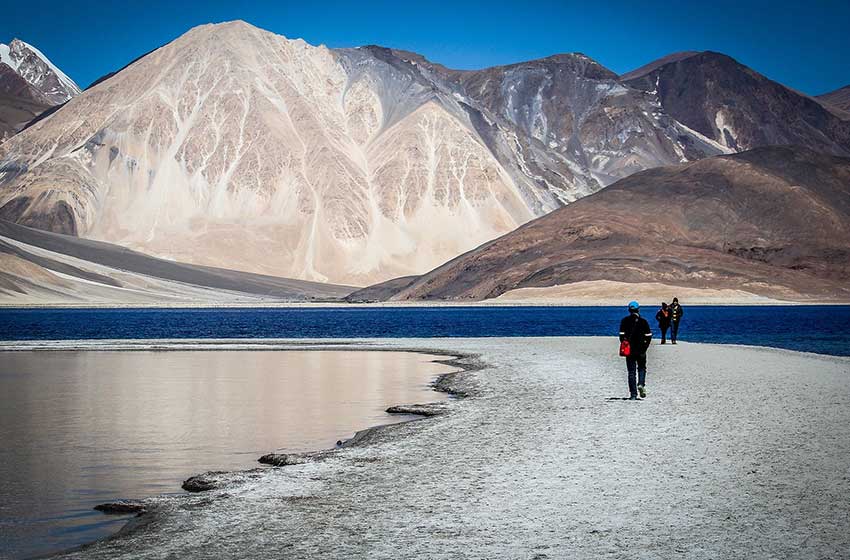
(676, 313)
(635, 329)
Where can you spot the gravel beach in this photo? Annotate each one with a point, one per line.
(737, 452)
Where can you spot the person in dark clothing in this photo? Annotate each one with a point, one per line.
(676, 313)
(663, 318)
(635, 329)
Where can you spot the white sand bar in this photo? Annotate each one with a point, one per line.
(737, 453)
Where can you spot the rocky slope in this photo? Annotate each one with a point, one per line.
(20, 103)
(773, 221)
(238, 148)
(737, 107)
(577, 111)
(29, 85)
(31, 64)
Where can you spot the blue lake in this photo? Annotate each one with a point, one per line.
(820, 329)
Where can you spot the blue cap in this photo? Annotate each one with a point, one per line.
(633, 305)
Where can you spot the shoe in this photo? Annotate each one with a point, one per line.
(674, 342)
(633, 398)
(642, 391)
(663, 342)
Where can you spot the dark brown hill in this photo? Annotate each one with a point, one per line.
(773, 221)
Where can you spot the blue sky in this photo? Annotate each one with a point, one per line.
(804, 45)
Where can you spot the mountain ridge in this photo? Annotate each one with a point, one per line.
(235, 147)
(232, 146)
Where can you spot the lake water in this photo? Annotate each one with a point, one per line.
(820, 329)
(82, 428)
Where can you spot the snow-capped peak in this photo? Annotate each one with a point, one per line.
(34, 67)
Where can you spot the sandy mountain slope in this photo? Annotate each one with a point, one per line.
(40, 267)
(739, 108)
(235, 147)
(773, 222)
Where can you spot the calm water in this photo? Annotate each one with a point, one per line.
(821, 329)
(82, 428)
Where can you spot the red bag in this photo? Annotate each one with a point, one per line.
(625, 349)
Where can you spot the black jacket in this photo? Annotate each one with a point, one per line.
(635, 329)
(676, 312)
(663, 320)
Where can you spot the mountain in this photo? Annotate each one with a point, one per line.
(576, 110)
(773, 221)
(40, 267)
(31, 64)
(737, 107)
(29, 85)
(238, 148)
(839, 98)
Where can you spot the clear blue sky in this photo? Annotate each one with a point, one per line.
(805, 45)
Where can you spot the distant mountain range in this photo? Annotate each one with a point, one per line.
(237, 148)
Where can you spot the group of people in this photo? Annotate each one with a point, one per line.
(636, 337)
(668, 317)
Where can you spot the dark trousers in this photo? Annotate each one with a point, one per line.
(675, 331)
(664, 329)
(636, 363)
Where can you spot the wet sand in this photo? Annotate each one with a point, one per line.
(738, 452)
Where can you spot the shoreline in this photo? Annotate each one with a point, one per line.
(163, 509)
(452, 383)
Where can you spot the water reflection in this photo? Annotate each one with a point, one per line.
(81, 428)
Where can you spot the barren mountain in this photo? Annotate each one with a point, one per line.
(29, 85)
(576, 110)
(31, 64)
(739, 108)
(773, 221)
(239, 148)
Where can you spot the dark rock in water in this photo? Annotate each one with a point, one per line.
(282, 459)
(430, 409)
(121, 507)
(203, 482)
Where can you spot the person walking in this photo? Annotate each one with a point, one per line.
(663, 318)
(635, 337)
(676, 314)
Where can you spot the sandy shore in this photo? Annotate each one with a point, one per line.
(737, 453)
